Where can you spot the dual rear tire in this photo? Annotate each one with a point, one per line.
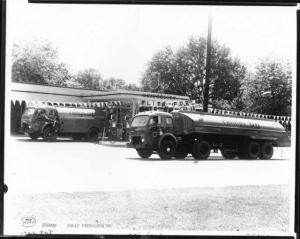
(266, 150)
(201, 149)
(254, 150)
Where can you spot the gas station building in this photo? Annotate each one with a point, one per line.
(119, 103)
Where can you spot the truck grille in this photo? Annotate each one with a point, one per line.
(24, 126)
(136, 140)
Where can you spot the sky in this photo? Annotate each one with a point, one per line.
(119, 40)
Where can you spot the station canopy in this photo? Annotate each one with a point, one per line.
(65, 96)
(34, 94)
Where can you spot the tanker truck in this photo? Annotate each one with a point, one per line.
(180, 133)
(49, 122)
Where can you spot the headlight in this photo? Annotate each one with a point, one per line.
(142, 139)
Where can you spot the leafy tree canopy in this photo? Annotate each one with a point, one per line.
(182, 71)
(269, 89)
(89, 79)
(38, 63)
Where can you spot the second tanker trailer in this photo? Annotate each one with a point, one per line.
(181, 133)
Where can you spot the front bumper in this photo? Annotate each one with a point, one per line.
(27, 129)
(138, 146)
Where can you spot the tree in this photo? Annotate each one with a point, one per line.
(113, 84)
(132, 87)
(38, 63)
(118, 84)
(162, 62)
(183, 72)
(89, 79)
(269, 89)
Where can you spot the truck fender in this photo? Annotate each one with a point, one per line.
(46, 125)
(165, 136)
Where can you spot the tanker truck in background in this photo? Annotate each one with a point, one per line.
(49, 122)
(180, 133)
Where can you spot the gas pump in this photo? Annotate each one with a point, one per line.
(126, 129)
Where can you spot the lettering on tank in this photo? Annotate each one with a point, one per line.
(241, 124)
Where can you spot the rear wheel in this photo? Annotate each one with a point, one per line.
(249, 150)
(93, 134)
(253, 150)
(49, 134)
(266, 151)
(201, 150)
(144, 153)
(167, 149)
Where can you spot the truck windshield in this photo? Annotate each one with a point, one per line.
(29, 111)
(140, 121)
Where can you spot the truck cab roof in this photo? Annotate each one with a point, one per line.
(150, 113)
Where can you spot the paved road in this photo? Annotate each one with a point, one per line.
(67, 166)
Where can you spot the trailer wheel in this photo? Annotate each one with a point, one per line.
(181, 152)
(201, 150)
(93, 134)
(266, 151)
(49, 134)
(33, 136)
(167, 149)
(253, 150)
(144, 153)
(228, 154)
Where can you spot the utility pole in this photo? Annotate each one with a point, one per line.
(208, 63)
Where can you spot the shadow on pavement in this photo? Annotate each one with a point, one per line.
(212, 158)
(54, 141)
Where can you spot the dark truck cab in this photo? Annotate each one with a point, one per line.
(148, 130)
(184, 132)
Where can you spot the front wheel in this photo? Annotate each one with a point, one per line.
(144, 153)
(167, 149)
(49, 134)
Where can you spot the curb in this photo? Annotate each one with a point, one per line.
(113, 143)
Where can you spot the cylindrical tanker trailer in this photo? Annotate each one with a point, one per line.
(184, 132)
